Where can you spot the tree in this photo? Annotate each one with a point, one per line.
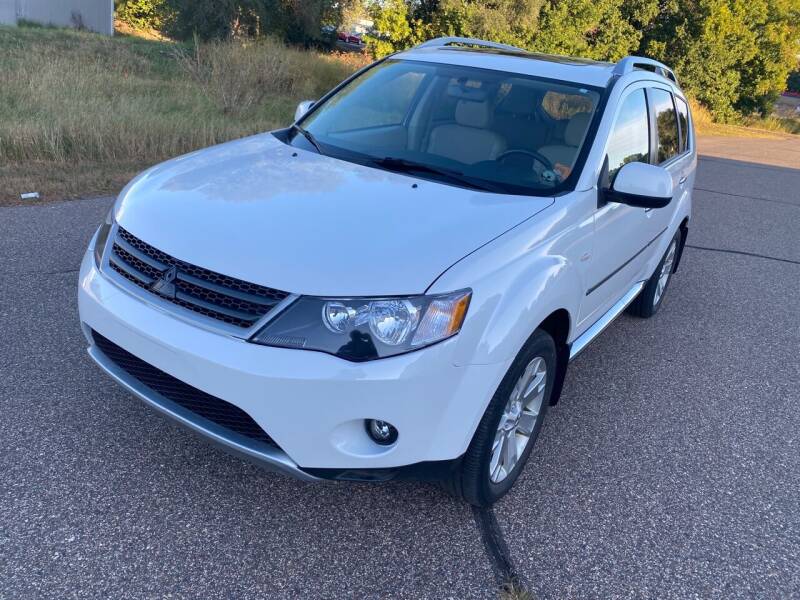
(296, 21)
(141, 14)
(507, 21)
(705, 41)
(585, 28)
(392, 27)
(600, 29)
(733, 55)
(219, 19)
(777, 28)
(346, 13)
(302, 19)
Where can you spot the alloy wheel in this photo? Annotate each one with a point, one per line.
(666, 271)
(518, 420)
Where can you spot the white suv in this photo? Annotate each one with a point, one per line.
(395, 285)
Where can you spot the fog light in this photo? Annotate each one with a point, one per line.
(381, 432)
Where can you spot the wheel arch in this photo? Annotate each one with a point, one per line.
(557, 324)
(684, 229)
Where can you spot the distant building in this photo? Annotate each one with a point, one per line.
(94, 15)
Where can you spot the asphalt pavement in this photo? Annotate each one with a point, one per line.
(670, 468)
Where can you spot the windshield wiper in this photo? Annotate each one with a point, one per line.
(402, 165)
(312, 140)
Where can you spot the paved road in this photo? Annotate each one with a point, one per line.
(671, 467)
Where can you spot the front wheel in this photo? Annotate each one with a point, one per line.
(508, 430)
(649, 299)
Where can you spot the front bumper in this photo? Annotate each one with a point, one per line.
(311, 404)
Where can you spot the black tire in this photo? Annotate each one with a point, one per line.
(470, 480)
(646, 304)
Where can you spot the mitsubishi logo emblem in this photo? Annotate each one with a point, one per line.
(163, 286)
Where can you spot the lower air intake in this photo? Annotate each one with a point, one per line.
(197, 401)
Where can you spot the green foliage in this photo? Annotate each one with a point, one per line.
(703, 40)
(593, 29)
(141, 14)
(300, 21)
(777, 28)
(734, 56)
(296, 21)
(215, 19)
(393, 25)
(506, 21)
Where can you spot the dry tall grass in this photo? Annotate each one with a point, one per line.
(237, 77)
(767, 127)
(76, 99)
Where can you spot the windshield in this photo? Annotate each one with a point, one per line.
(479, 128)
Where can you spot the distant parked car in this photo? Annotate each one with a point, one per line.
(395, 285)
(349, 38)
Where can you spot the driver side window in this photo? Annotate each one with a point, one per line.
(630, 139)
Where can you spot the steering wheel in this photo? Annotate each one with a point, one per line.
(541, 159)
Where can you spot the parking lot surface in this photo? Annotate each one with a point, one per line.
(670, 468)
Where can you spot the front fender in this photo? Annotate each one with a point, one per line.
(530, 295)
(517, 282)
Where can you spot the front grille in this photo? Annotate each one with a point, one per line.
(208, 293)
(200, 403)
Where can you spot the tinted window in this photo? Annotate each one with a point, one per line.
(630, 139)
(683, 116)
(667, 123)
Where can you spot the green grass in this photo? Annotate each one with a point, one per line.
(81, 113)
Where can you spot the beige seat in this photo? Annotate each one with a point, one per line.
(467, 140)
(566, 153)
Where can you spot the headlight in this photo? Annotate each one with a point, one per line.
(366, 328)
(102, 238)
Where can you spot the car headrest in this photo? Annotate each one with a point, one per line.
(472, 114)
(520, 101)
(576, 129)
(462, 90)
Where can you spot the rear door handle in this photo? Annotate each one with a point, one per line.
(682, 180)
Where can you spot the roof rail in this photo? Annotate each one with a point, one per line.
(441, 42)
(629, 63)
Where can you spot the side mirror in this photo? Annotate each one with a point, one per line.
(303, 108)
(642, 185)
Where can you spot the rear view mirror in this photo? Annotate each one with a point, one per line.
(303, 108)
(642, 185)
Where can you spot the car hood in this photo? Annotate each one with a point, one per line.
(304, 223)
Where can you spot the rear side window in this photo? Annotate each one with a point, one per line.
(630, 139)
(667, 124)
(683, 117)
